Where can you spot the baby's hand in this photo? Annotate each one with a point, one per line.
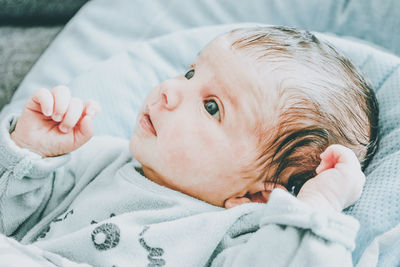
(339, 180)
(53, 123)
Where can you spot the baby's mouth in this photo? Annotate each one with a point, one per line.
(148, 116)
(146, 122)
(150, 124)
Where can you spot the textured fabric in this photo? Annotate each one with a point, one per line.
(19, 49)
(23, 40)
(142, 223)
(388, 244)
(13, 254)
(34, 12)
(378, 210)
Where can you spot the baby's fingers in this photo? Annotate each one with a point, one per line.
(85, 125)
(41, 101)
(72, 116)
(62, 97)
(92, 108)
(342, 154)
(85, 130)
(336, 154)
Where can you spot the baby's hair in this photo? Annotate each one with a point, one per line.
(322, 100)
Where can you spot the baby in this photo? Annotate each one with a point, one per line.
(259, 109)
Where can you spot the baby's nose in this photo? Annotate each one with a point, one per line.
(171, 94)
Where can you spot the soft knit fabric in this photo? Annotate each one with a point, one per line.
(93, 206)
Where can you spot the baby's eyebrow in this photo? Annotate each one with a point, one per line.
(232, 100)
(226, 93)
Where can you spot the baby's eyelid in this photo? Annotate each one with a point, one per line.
(221, 110)
(220, 106)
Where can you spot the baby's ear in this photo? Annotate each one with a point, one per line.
(259, 197)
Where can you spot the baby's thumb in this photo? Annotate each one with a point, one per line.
(92, 108)
(85, 130)
(85, 126)
(326, 163)
(328, 159)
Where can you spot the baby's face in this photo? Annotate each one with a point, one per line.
(196, 132)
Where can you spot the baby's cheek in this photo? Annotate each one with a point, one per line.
(178, 151)
(189, 152)
(179, 155)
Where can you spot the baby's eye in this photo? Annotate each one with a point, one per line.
(212, 108)
(189, 74)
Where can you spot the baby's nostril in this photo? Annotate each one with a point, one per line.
(164, 96)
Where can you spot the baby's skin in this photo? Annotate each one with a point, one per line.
(54, 123)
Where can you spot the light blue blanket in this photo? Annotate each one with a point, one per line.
(115, 51)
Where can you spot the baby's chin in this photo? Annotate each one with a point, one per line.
(134, 149)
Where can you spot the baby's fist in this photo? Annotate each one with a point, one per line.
(339, 181)
(52, 123)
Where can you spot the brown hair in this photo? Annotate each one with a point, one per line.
(323, 100)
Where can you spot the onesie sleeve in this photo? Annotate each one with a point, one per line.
(14, 254)
(32, 187)
(294, 234)
(25, 180)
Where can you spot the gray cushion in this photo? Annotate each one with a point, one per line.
(34, 12)
(20, 47)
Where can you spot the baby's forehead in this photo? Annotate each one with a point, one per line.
(240, 80)
(221, 47)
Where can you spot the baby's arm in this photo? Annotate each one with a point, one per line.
(338, 183)
(27, 174)
(309, 230)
